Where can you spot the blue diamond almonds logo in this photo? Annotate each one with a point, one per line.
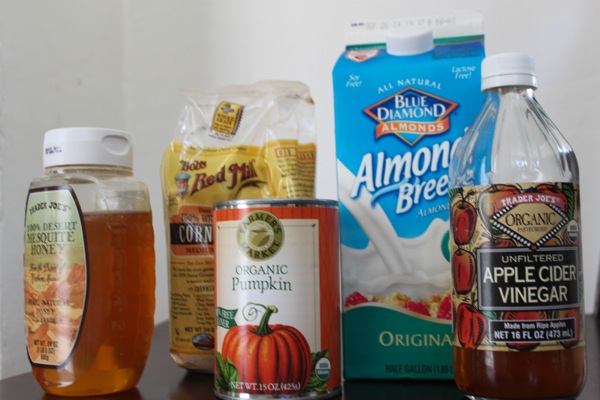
(411, 114)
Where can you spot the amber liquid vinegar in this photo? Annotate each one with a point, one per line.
(526, 375)
(118, 320)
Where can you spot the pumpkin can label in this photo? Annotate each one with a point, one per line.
(277, 313)
(516, 267)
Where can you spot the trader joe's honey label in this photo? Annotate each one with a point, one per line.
(55, 275)
(516, 267)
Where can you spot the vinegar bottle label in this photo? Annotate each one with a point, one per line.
(55, 275)
(516, 267)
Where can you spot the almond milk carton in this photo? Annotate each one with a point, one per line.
(404, 92)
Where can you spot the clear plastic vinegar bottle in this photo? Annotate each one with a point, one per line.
(88, 265)
(516, 246)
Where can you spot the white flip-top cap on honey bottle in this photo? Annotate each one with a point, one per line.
(87, 146)
(409, 41)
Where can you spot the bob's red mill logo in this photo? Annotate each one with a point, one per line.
(411, 114)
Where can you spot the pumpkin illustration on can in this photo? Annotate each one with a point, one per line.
(270, 358)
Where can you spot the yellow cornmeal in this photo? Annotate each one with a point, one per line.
(248, 142)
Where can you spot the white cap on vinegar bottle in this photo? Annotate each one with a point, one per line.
(408, 41)
(508, 69)
(87, 146)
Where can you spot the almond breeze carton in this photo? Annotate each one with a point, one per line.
(404, 93)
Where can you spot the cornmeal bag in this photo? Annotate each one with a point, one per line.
(239, 142)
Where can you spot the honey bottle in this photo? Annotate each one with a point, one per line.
(88, 265)
(516, 246)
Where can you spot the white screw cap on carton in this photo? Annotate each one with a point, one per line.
(508, 69)
(409, 41)
(87, 146)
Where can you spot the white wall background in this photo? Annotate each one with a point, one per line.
(121, 63)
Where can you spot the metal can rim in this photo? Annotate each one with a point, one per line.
(288, 202)
(327, 394)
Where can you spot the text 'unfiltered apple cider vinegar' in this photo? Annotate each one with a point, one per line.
(516, 246)
(89, 265)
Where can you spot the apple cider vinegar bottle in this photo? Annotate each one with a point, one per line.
(88, 265)
(516, 246)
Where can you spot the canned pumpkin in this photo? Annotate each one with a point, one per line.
(277, 298)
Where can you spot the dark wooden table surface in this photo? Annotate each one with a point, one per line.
(163, 380)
